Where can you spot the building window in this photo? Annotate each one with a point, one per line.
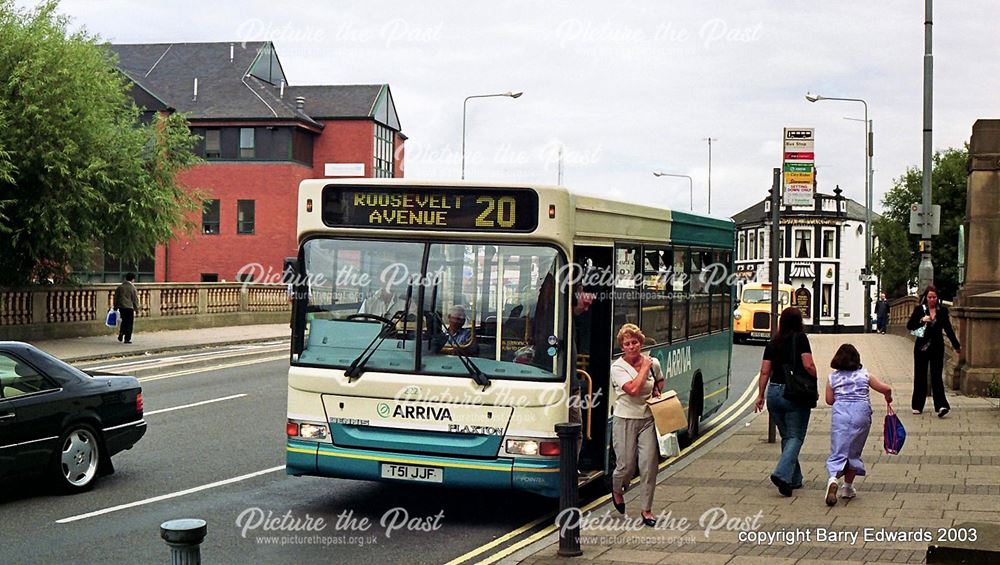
(742, 255)
(803, 243)
(210, 277)
(213, 144)
(247, 143)
(210, 217)
(781, 242)
(752, 246)
(383, 152)
(760, 243)
(245, 216)
(829, 238)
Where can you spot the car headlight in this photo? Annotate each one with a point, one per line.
(737, 315)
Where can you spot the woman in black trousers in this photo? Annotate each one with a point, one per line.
(929, 350)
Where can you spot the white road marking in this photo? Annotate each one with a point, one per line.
(212, 368)
(203, 402)
(176, 359)
(167, 496)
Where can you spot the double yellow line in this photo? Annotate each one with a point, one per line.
(719, 423)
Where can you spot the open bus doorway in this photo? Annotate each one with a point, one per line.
(592, 332)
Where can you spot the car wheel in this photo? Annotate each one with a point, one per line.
(77, 460)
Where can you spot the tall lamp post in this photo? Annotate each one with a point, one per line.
(690, 183)
(709, 140)
(465, 104)
(868, 202)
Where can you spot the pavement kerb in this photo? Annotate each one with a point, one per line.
(169, 349)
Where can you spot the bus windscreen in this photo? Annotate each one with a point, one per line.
(445, 209)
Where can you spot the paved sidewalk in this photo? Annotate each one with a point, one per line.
(105, 346)
(946, 475)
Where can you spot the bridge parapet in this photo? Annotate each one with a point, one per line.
(57, 312)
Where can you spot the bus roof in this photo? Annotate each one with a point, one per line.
(594, 219)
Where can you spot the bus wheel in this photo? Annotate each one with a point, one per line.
(695, 403)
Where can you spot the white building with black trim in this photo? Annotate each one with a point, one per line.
(822, 255)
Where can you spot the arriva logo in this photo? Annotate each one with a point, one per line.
(678, 362)
(421, 413)
(382, 409)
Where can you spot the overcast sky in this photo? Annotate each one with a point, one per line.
(625, 88)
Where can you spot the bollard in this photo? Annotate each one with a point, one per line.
(772, 428)
(569, 536)
(184, 536)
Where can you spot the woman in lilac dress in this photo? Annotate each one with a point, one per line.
(847, 391)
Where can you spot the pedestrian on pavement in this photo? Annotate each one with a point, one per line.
(847, 391)
(881, 312)
(929, 350)
(791, 418)
(126, 302)
(636, 377)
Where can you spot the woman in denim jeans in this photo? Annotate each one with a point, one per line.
(791, 419)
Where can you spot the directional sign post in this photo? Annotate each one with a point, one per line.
(799, 169)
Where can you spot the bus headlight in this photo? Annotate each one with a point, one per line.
(522, 447)
(532, 447)
(737, 315)
(312, 431)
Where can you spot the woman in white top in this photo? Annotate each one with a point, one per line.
(635, 377)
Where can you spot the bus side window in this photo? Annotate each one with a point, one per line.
(628, 264)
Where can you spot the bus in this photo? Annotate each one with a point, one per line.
(432, 326)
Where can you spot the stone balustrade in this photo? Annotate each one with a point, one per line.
(56, 312)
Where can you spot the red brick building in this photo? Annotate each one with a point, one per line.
(259, 137)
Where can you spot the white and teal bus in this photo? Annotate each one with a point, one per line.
(432, 326)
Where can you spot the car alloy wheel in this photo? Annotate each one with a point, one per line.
(78, 458)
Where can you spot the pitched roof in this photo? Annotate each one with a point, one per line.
(242, 80)
(755, 213)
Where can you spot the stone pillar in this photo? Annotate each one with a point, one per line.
(977, 307)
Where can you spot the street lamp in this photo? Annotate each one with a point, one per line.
(508, 94)
(709, 140)
(868, 201)
(690, 183)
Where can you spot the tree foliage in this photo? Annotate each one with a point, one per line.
(898, 258)
(78, 169)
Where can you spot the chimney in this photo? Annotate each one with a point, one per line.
(232, 49)
(300, 104)
(281, 94)
(195, 97)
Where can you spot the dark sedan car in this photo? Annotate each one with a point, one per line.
(58, 421)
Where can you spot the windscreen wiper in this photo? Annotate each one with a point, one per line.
(475, 372)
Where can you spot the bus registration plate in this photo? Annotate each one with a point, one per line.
(412, 473)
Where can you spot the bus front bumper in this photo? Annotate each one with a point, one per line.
(540, 476)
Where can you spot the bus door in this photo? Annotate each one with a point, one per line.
(593, 334)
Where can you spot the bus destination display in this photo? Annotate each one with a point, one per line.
(445, 209)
